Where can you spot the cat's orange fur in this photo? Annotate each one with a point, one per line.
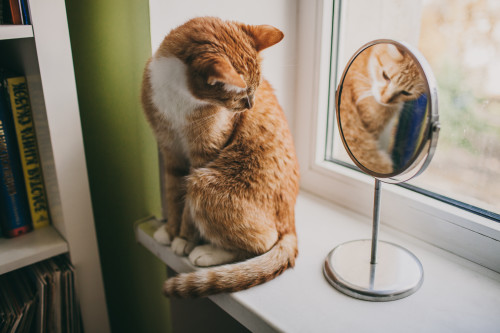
(231, 174)
(377, 84)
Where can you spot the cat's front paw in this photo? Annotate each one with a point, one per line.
(161, 236)
(182, 247)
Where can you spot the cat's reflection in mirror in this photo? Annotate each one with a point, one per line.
(378, 89)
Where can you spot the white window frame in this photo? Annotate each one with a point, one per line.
(456, 230)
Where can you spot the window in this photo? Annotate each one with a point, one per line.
(461, 41)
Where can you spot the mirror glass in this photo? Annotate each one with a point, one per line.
(387, 110)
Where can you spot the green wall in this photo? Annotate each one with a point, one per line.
(110, 42)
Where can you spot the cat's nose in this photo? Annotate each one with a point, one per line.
(249, 102)
(390, 99)
(386, 98)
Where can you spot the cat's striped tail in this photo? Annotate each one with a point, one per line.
(237, 276)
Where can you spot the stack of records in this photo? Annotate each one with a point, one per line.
(40, 298)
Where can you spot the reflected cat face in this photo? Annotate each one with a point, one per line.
(394, 75)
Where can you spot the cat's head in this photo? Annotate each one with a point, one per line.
(222, 59)
(395, 75)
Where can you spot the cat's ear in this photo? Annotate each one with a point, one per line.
(395, 52)
(264, 35)
(222, 71)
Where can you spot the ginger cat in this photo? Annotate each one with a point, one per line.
(230, 170)
(380, 80)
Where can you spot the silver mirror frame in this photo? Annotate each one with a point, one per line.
(425, 151)
(381, 271)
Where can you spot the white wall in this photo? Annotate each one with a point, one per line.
(280, 61)
(363, 21)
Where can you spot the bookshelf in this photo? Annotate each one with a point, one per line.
(15, 31)
(42, 52)
(33, 247)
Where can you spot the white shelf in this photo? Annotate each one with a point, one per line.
(15, 31)
(30, 248)
(43, 53)
(456, 295)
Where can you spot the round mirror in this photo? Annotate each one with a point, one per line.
(387, 110)
(388, 120)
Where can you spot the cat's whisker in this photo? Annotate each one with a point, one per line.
(362, 78)
(364, 95)
(384, 104)
(201, 122)
(202, 119)
(199, 136)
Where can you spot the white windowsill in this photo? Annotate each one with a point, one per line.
(456, 296)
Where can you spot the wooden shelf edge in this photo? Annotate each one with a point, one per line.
(15, 31)
(28, 249)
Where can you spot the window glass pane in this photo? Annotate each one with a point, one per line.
(461, 41)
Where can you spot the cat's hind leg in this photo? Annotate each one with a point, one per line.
(210, 255)
(227, 216)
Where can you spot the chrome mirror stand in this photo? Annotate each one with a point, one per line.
(373, 270)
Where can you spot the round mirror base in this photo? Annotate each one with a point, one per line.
(397, 273)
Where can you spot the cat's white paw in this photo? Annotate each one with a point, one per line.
(161, 236)
(209, 255)
(182, 247)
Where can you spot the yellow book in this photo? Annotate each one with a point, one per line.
(28, 149)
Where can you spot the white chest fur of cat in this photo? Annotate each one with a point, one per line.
(171, 95)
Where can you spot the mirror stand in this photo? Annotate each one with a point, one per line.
(373, 270)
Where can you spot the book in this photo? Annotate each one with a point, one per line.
(14, 209)
(25, 12)
(15, 12)
(2, 15)
(28, 150)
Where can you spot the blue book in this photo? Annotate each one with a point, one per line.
(14, 209)
(25, 12)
